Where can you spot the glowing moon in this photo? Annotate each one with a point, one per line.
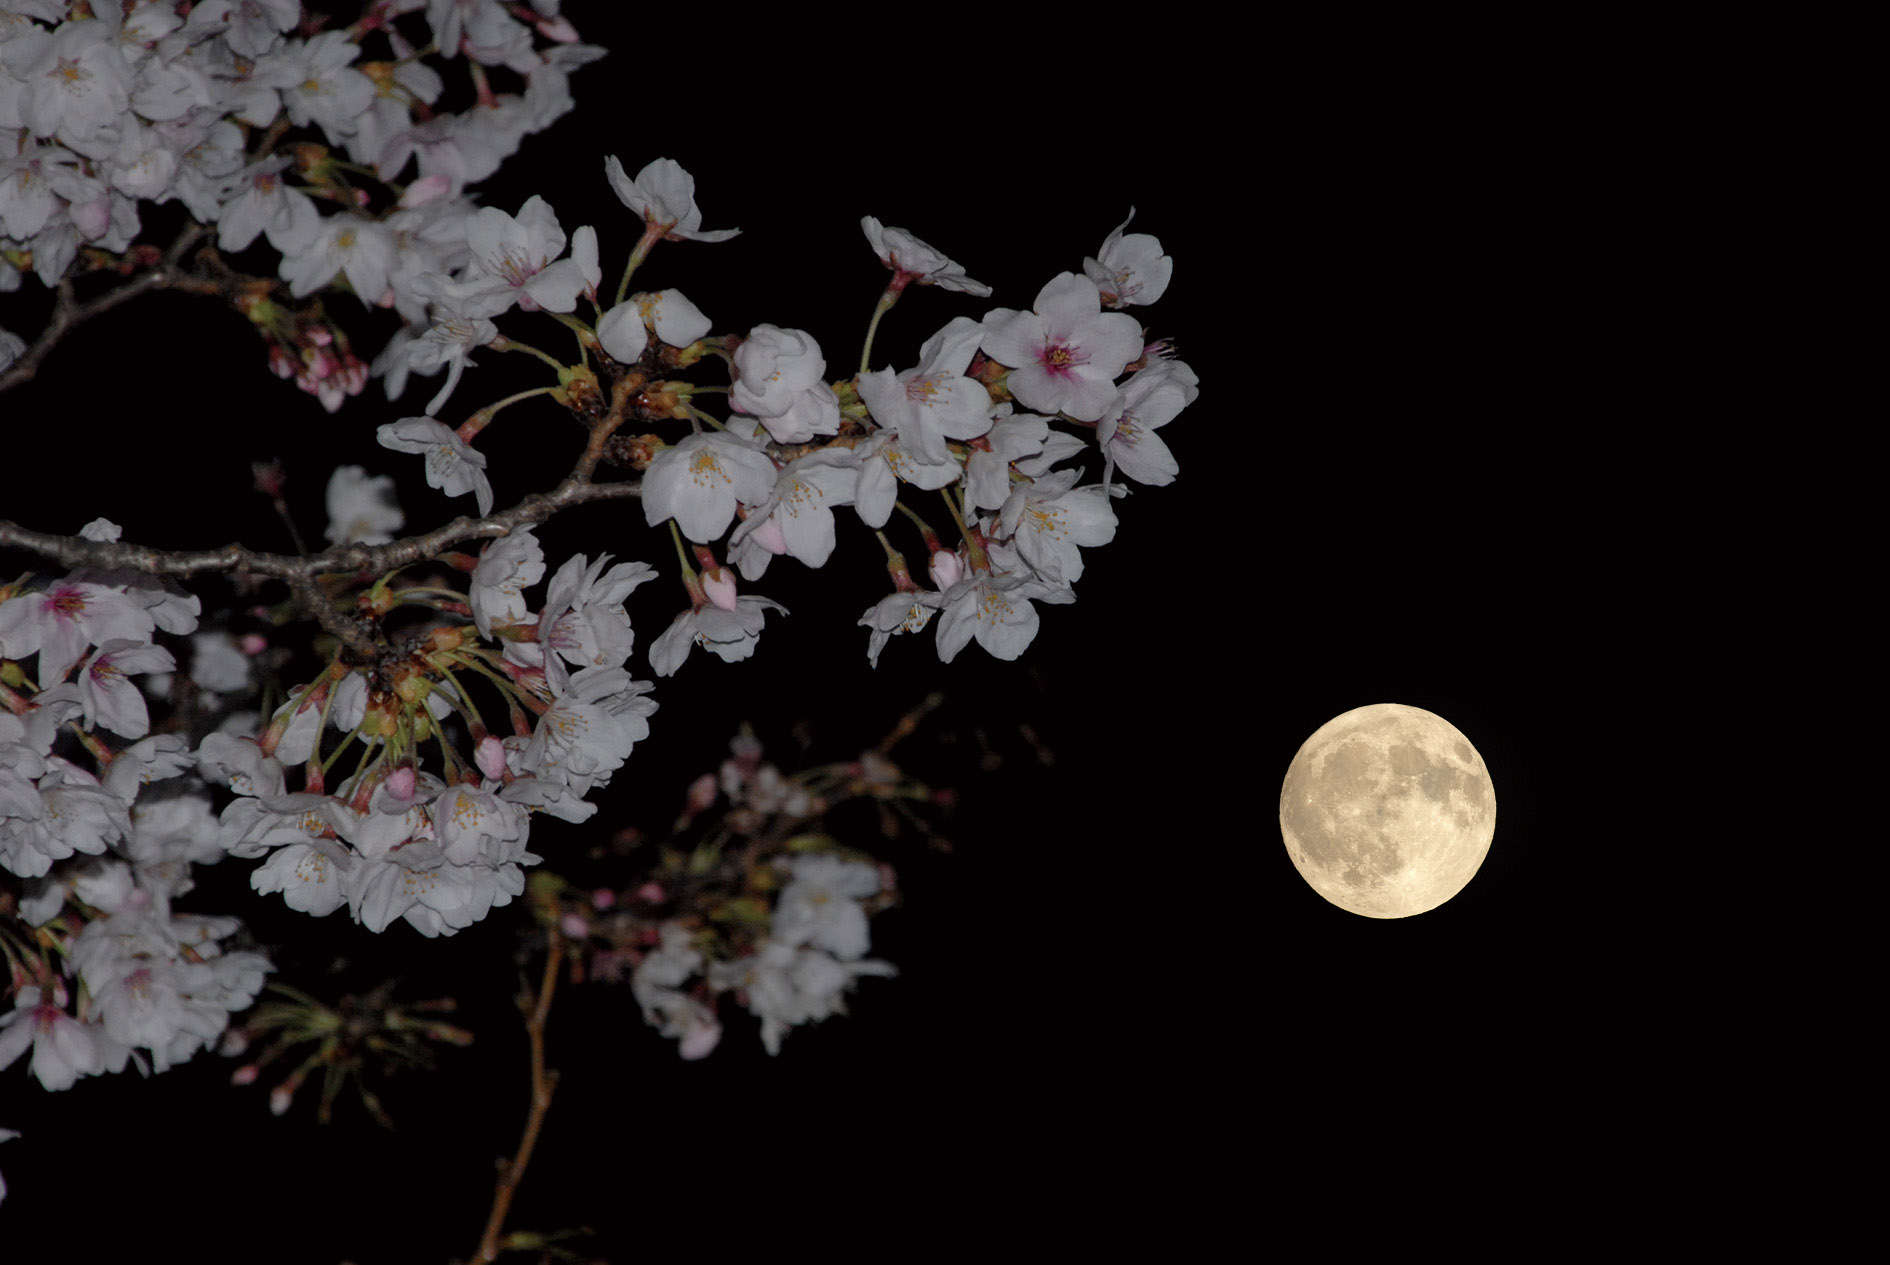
(1387, 811)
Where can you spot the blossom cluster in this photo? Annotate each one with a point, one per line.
(766, 908)
(113, 974)
(799, 972)
(104, 108)
(994, 418)
(440, 848)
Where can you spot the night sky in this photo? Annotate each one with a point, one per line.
(1116, 971)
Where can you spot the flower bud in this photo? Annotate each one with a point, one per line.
(400, 782)
(945, 569)
(719, 586)
(489, 755)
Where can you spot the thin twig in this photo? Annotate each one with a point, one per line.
(68, 313)
(544, 1081)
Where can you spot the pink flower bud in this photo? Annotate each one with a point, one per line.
(490, 757)
(699, 1039)
(769, 537)
(575, 926)
(426, 189)
(253, 644)
(245, 1075)
(652, 893)
(269, 477)
(603, 898)
(719, 586)
(945, 569)
(279, 1099)
(319, 335)
(400, 782)
(92, 218)
(701, 793)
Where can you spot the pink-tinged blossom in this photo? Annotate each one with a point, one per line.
(665, 196)
(779, 380)
(911, 258)
(110, 700)
(60, 621)
(1131, 269)
(934, 401)
(64, 1049)
(1065, 354)
(453, 465)
(698, 481)
(1148, 401)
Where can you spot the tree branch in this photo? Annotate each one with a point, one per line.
(113, 555)
(68, 313)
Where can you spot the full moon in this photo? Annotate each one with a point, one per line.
(1387, 811)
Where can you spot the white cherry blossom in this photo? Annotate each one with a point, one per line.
(802, 502)
(778, 380)
(1046, 520)
(112, 702)
(1129, 270)
(730, 635)
(995, 608)
(909, 257)
(453, 465)
(933, 401)
(698, 481)
(665, 196)
(1149, 400)
(361, 507)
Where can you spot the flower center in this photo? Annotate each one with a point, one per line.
(1060, 358)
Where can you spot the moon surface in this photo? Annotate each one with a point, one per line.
(1387, 811)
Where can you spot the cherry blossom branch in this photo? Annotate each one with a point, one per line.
(68, 313)
(544, 1081)
(74, 551)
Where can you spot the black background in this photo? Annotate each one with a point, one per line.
(1116, 995)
